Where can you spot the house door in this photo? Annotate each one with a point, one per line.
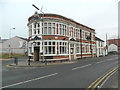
(36, 53)
(72, 51)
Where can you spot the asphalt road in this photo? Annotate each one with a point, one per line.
(77, 75)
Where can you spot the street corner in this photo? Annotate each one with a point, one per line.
(14, 66)
(11, 66)
(22, 66)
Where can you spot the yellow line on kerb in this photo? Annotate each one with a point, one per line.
(103, 78)
(96, 82)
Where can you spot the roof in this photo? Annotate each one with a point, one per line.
(22, 38)
(98, 39)
(62, 17)
(2, 40)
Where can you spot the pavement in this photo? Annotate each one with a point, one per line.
(25, 63)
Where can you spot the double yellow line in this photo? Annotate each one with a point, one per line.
(99, 81)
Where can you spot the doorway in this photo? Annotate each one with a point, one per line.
(36, 53)
(72, 51)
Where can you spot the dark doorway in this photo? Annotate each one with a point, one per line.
(36, 53)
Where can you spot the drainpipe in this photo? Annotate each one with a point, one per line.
(81, 41)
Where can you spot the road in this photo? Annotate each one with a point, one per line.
(77, 75)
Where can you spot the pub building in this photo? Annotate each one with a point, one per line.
(55, 37)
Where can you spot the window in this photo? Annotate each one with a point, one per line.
(49, 28)
(86, 35)
(82, 34)
(77, 48)
(87, 48)
(53, 30)
(38, 43)
(45, 24)
(49, 24)
(38, 31)
(71, 31)
(65, 30)
(77, 33)
(83, 48)
(35, 25)
(38, 25)
(34, 31)
(62, 48)
(62, 29)
(53, 24)
(45, 30)
(49, 47)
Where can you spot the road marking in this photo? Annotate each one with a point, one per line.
(107, 79)
(111, 59)
(30, 80)
(102, 78)
(100, 62)
(105, 61)
(81, 67)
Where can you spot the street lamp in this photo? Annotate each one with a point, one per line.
(42, 23)
(10, 42)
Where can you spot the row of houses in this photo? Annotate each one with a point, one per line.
(55, 37)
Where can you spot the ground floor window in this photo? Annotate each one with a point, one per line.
(78, 48)
(83, 48)
(63, 47)
(87, 48)
(49, 47)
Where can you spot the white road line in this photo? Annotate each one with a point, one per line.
(81, 67)
(110, 59)
(29, 80)
(100, 62)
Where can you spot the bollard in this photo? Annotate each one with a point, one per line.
(16, 60)
(45, 62)
(29, 60)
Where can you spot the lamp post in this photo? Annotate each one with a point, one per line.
(42, 24)
(10, 42)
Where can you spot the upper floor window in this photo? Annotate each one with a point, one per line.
(49, 28)
(34, 31)
(77, 33)
(36, 25)
(62, 29)
(71, 31)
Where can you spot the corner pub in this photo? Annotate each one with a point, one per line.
(55, 37)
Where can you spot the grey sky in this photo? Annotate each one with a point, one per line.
(102, 15)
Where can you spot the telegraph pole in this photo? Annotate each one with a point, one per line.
(106, 44)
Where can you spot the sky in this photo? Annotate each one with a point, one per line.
(101, 15)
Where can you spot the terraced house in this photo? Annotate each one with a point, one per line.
(55, 37)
